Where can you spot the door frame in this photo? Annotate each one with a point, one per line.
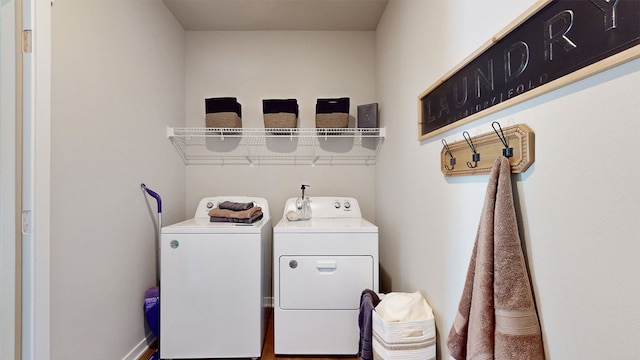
(35, 182)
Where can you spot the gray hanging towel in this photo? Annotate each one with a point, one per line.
(497, 318)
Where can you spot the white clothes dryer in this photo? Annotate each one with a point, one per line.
(321, 267)
(215, 285)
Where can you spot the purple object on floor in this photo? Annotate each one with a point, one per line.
(152, 309)
(155, 356)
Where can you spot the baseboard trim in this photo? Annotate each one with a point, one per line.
(140, 349)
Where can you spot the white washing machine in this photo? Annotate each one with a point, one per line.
(215, 285)
(321, 266)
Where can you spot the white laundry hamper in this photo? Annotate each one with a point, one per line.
(404, 340)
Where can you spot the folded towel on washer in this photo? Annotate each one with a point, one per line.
(368, 301)
(235, 206)
(243, 214)
(257, 216)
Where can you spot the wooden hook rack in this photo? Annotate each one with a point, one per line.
(487, 148)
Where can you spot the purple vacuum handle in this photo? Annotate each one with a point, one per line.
(155, 195)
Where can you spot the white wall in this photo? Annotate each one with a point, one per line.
(578, 202)
(115, 89)
(7, 179)
(256, 65)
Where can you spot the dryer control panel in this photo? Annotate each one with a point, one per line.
(329, 207)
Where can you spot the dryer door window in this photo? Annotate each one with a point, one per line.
(324, 282)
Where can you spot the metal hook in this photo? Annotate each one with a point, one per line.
(507, 151)
(452, 160)
(476, 155)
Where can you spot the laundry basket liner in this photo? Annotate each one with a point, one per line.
(404, 339)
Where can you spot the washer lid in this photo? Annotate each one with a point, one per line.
(325, 225)
(202, 225)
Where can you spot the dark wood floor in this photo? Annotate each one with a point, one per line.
(267, 351)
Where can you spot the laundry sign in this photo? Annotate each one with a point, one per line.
(554, 43)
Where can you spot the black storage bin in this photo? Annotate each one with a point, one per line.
(332, 113)
(280, 113)
(223, 112)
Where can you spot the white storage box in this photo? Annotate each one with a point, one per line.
(403, 340)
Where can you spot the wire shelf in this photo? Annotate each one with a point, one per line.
(285, 146)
